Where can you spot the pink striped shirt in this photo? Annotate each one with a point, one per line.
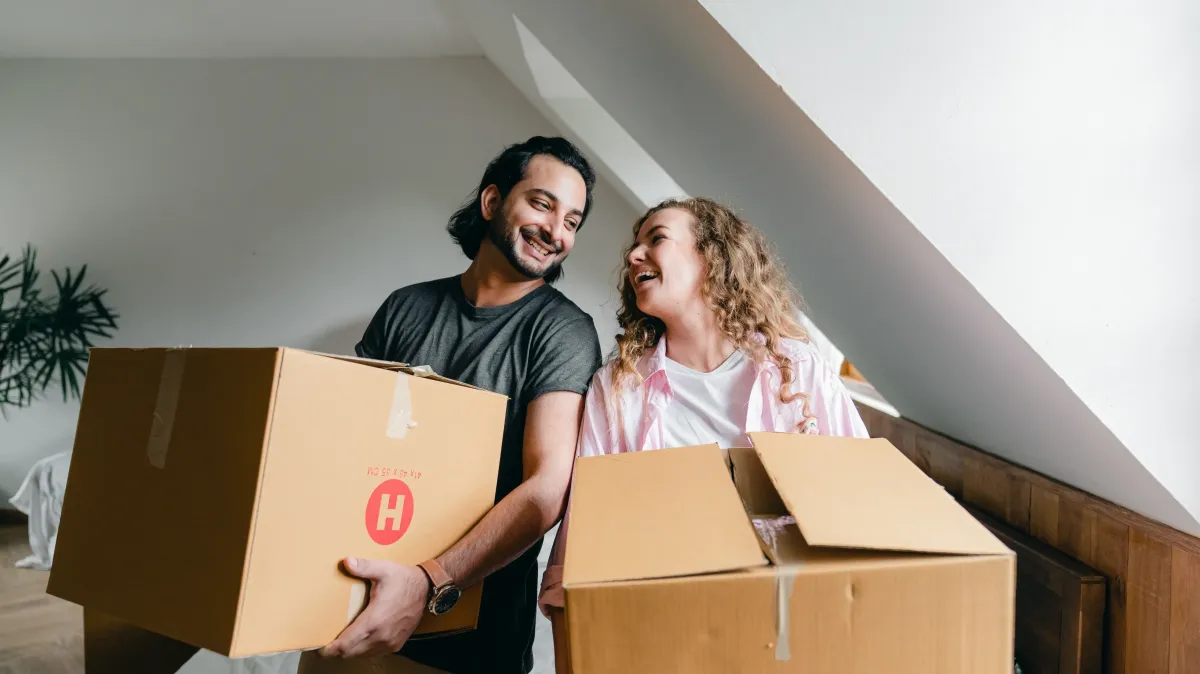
(635, 423)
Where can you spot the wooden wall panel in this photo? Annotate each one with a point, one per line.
(1110, 556)
(1092, 629)
(1152, 621)
(1185, 612)
(1060, 603)
(1148, 601)
(1043, 514)
(1075, 524)
(1020, 504)
(985, 486)
(944, 467)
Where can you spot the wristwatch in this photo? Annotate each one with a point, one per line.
(444, 594)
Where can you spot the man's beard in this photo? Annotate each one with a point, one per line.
(508, 242)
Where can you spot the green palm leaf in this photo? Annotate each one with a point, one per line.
(44, 340)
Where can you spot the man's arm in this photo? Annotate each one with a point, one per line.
(530, 510)
(399, 593)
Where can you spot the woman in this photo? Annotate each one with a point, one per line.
(711, 351)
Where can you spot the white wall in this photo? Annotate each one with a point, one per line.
(256, 202)
(1051, 151)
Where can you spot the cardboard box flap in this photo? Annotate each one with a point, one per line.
(659, 514)
(413, 370)
(863, 493)
(381, 364)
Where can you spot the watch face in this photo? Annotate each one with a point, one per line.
(445, 600)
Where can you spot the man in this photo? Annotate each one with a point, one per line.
(502, 327)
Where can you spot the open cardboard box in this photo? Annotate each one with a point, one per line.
(882, 571)
(213, 492)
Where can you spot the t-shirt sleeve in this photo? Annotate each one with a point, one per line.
(565, 359)
(373, 343)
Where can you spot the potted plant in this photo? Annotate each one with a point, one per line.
(45, 337)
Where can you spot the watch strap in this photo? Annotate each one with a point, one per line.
(437, 574)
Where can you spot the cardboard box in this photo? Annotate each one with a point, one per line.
(213, 492)
(882, 571)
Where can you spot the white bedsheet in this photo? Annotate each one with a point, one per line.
(40, 497)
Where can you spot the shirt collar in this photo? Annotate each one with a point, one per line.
(655, 362)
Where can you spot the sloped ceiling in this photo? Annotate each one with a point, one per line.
(690, 96)
(1050, 151)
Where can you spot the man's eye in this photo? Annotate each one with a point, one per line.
(541, 204)
(656, 238)
(573, 225)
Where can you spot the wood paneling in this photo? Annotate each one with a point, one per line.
(1060, 606)
(1148, 597)
(1020, 504)
(1185, 612)
(1073, 537)
(1043, 514)
(1091, 628)
(945, 467)
(985, 485)
(1152, 616)
(1110, 556)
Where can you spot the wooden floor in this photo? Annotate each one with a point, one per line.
(38, 633)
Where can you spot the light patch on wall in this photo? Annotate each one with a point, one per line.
(640, 173)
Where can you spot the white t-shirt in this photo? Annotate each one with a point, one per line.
(709, 406)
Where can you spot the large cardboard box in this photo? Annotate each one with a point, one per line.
(803, 554)
(213, 492)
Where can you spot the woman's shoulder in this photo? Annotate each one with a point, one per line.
(602, 380)
(603, 376)
(806, 357)
(644, 367)
(799, 350)
(628, 388)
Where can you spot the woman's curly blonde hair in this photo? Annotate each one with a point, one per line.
(745, 284)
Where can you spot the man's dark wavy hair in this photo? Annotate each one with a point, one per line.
(467, 226)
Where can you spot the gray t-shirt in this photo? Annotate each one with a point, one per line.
(542, 342)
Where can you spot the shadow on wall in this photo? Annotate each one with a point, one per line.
(340, 341)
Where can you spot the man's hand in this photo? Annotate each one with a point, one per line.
(398, 598)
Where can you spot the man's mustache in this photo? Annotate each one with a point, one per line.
(537, 233)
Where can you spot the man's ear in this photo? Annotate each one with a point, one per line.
(489, 202)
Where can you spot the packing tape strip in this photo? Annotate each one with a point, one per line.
(785, 579)
(400, 417)
(163, 421)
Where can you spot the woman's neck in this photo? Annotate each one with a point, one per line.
(695, 341)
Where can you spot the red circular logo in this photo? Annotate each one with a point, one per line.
(389, 512)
